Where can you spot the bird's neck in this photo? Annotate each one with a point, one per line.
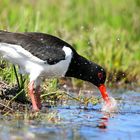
(81, 68)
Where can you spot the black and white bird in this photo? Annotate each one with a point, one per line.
(43, 56)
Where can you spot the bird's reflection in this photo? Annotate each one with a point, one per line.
(104, 121)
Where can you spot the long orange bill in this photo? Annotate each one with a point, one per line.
(104, 93)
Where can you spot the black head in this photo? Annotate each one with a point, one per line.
(99, 75)
(86, 70)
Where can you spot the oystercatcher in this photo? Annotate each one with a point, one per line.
(42, 55)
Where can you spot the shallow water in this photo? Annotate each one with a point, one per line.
(76, 123)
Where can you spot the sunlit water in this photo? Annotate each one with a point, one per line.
(77, 123)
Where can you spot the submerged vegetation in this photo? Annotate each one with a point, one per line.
(106, 32)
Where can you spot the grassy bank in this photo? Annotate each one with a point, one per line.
(107, 32)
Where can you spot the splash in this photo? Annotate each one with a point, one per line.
(110, 107)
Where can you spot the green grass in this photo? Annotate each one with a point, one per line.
(107, 32)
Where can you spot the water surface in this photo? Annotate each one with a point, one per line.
(73, 122)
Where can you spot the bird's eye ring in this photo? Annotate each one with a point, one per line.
(100, 75)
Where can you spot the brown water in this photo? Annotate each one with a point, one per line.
(74, 122)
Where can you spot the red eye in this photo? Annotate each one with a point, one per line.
(100, 75)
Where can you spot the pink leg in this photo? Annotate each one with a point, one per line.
(38, 93)
(35, 97)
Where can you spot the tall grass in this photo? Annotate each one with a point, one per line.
(107, 32)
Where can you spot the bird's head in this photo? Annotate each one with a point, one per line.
(96, 74)
(86, 70)
(99, 79)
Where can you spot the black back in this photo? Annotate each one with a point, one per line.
(44, 46)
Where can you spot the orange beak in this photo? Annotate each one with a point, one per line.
(104, 93)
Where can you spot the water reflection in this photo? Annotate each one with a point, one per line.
(103, 122)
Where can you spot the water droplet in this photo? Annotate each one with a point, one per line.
(82, 27)
(90, 77)
(118, 39)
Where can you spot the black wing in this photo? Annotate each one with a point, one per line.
(44, 46)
